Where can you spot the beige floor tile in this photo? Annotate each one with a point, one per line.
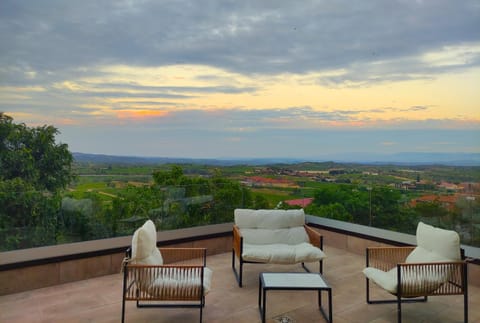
(99, 299)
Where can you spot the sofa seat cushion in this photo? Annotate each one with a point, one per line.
(175, 282)
(291, 236)
(279, 253)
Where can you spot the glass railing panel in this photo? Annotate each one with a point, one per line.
(108, 208)
(400, 209)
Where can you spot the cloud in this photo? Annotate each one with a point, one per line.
(245, 37)
(245, 75)
(388, 143)
(140, 114)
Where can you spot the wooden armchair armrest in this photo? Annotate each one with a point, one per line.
(237, 241)
(157, 282)
(385, 258)
(315, 237)
(433, 278)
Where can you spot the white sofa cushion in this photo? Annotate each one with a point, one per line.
(144, 245)
(268, 219)
(289, 236)
(282, 253)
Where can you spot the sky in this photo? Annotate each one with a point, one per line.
(245, 79)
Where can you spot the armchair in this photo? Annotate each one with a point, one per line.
(164, 277)
(412, 274)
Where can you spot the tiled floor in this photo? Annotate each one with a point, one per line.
(99, 299)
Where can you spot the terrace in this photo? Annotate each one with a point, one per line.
(81, 282)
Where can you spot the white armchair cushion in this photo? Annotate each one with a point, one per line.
(445, 243)
(419, 255)
(179, 282)
(385, 279)
(413, 281)
(282, 253)
(144, 246)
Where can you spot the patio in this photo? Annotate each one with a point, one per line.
(99, 299)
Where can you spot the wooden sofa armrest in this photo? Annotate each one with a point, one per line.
(237, 241)
(315, 237)
(385, 258)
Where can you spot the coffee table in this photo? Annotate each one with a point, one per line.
(293, 281)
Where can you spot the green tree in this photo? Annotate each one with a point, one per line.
(33, 170)
(132, 206)
(172, 177)
(333, 211)
(33, 155)
(358, 204)
(260, 202)
(432, 211)
(28, 217)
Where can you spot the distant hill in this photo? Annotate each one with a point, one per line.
(407, 158)
(413, 158)
(130, 160)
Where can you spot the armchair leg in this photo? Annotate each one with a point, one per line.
(239, 274)
(305, 267)
(240, 282)
(123, 310)
(320, 266)
(399, 309)
(123, 293)
(368, 290)
(465, 303)
(385, 301)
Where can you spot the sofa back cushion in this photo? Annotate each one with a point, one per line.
(269, 219)
(290, 236)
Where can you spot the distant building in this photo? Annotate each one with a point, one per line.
(268, 182)
(449, 186)
(447, 201)
(300, 202)
(406, 185)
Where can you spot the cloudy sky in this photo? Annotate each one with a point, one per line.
(245, 78)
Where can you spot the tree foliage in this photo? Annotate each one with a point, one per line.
(379, 206)
(33, 155)
(176, 200)
(33, 170)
